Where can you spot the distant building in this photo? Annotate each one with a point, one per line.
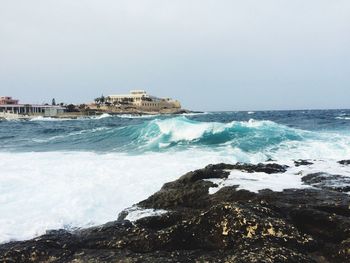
(7, 101)
(10, 106)
(140, 99)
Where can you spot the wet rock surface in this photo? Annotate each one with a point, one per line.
(301, 162)
(328, 181)
(295, 225)
(344, 162)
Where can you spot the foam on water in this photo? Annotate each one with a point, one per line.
(41, 191)
(102, 116)
(343, 118)
(41, 118)
(135, 213)
(135, 116)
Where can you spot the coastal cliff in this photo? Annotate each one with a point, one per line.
(230, 225)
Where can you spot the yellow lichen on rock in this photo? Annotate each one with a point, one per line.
(251, 231)
(225, 228)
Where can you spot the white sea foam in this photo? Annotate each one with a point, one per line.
(343, 117)
(102, 116)
(41, 191)
(183, 129)
(135, 213)
(42, 118)
(135, 116)
(180, 130)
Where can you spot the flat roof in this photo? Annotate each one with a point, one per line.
(30, 105)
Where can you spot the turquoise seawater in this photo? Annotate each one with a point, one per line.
(246, 131)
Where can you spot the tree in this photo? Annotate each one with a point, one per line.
(71, 108)
(82, 107)
(102, 99)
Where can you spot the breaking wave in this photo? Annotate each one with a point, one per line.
(180, 133)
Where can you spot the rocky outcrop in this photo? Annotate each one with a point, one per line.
(328, 181)
(295, 225)
(344, 162)
(301, 162)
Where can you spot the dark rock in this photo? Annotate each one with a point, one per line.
(191, 191)
(302, 162)
(269, 168)
(344, 162)
(295, 225)
(328, 181)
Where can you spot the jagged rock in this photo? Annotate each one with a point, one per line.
(328, 181)
(190, 191)
(344, 162)
(295, 225)
(302, 162)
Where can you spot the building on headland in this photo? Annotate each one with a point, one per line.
(8, 101)
(10, 108)
(143, 101)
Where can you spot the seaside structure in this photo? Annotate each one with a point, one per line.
(10, 108)
(4, 100)
(143, 101)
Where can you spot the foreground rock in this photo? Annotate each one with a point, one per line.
(344, 162)
(296, 225)
(328, 181)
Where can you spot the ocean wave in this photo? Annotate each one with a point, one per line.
(71, 134)
(137, 116)
(343, 117)
(102, 116)
(179, 133)
(247, 135)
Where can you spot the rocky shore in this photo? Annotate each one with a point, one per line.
(134, 112)
(231, 225)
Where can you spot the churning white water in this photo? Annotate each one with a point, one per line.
(50, 190)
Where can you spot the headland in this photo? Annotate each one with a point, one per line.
(137, 102)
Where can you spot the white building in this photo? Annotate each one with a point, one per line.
(141, 100)
(9, 107)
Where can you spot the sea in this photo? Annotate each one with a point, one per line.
(75, 173)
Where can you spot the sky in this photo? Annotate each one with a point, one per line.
(209, 54)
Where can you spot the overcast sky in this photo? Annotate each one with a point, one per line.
(211, 55)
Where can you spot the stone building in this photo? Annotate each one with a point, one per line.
(143, 101)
